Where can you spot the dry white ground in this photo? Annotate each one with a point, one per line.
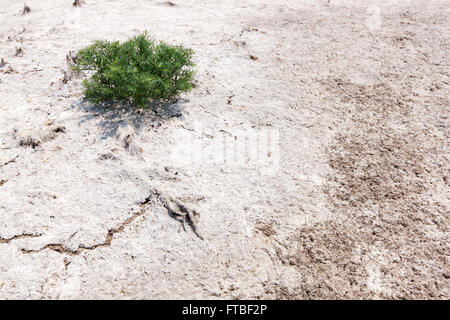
(350, 199)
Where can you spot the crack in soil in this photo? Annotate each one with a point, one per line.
(60, 248)
(176, 210)
(20, 236)
(9, 161)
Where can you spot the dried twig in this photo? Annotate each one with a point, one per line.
(26, 9)
(78, 3)
(19, 52)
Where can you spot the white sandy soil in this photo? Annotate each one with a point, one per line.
(348, 198)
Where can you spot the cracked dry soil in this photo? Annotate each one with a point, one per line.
(94, 205)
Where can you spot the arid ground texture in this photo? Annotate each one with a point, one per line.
(344, 194)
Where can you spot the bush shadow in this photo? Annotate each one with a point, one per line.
(109, 116)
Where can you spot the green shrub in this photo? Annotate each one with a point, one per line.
(136, 70)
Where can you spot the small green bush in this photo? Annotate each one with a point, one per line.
(136, 70)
